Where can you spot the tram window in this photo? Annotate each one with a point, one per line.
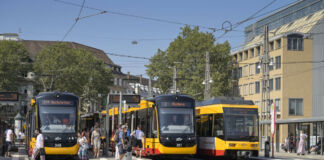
(218, 126)
(142, 120)
(207, 122)
(149, 123)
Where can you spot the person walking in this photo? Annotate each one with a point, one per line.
(301, 145)
(83, 150)
(122, 142)
(139, 134)
(39, 147)
(9, 141)
(116, 140)
(95, 142)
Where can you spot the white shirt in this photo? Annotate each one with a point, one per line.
(8, 135)
(39, 141)
(139, 134)
(82, 140)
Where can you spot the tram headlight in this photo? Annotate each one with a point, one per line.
(192, 138)
(254, 145)
(232, 145)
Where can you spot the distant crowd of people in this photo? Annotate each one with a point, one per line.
(125, 141)
(290, 145)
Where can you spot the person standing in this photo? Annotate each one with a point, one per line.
(39, 147)
(122, 142)
(301, 145)
(116, 140)
(95, 142)
(9, 141)
(83, 142)
(139, 134)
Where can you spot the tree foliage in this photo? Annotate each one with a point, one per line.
(62, 68)
(13, 65)
(189, 48)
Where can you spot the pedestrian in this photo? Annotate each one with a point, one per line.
(139, 134)
(95, 142)
(9, 141)
(83, 150)
(301, 145)
(39, 147)
(116, 140)
(122, 142)
(286, 145)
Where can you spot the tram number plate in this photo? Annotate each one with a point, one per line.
(58, 145)
(179, 145)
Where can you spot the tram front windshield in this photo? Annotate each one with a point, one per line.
(57, 119)
(176, 120)
(241, 124)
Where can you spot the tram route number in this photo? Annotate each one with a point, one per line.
(58, 145)
(179, 145)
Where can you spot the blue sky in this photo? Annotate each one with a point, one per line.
(50, 20)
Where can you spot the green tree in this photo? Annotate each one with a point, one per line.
(13, 65)
(189, 50)
(62, 68)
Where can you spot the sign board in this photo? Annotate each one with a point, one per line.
(128, 98)
(273, 119)
(9, 96)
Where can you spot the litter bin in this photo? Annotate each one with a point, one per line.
(267, 149)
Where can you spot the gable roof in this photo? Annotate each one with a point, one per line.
(35, 46)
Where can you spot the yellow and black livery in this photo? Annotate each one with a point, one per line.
(227, 127)
(56, 115)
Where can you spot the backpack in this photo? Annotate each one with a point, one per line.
(116, 137)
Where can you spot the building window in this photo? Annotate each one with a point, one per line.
(271, 84)
(269, 105)
(271, 46)
(295, 42)
(241, 90)
(252, 52)
(246, 89)
(278, 43)
(257, 87)
(278, 83)
(115, 81)
(295, 106)
(258, 50)
(245, 71)
(235, 57)
(121, 82)
(251, 88)
(271, 64)
(241, 56)
(239, 72)
(257, 69)
(278, 62)
(251, 69)
(277, 105)
(246, 54)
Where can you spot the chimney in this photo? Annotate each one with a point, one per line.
(128, 75)
(141, 79)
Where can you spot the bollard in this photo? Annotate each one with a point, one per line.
(267, 149)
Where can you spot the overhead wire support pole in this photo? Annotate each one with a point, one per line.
(120, 108)
(107, 126)
(174, 79)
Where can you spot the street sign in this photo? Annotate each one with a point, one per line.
(9, 96)
(128, 98)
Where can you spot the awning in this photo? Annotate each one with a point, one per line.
(295, 120)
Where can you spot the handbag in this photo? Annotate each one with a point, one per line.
(42, 152)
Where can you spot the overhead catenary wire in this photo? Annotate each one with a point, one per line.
(75, 22)
(213, 29)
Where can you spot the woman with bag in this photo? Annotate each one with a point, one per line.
(83, 150)
(39, 147)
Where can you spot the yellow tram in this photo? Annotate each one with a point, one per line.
(55, 114)
(167, 122)
(227, 127)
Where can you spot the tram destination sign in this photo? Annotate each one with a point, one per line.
(9, 96)
(56, 102)
(135, 99)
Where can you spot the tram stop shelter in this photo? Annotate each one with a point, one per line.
(313, 127)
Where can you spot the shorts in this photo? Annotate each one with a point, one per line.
(96, 144)
(121, 150)
(8, 146)
(139, 144)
